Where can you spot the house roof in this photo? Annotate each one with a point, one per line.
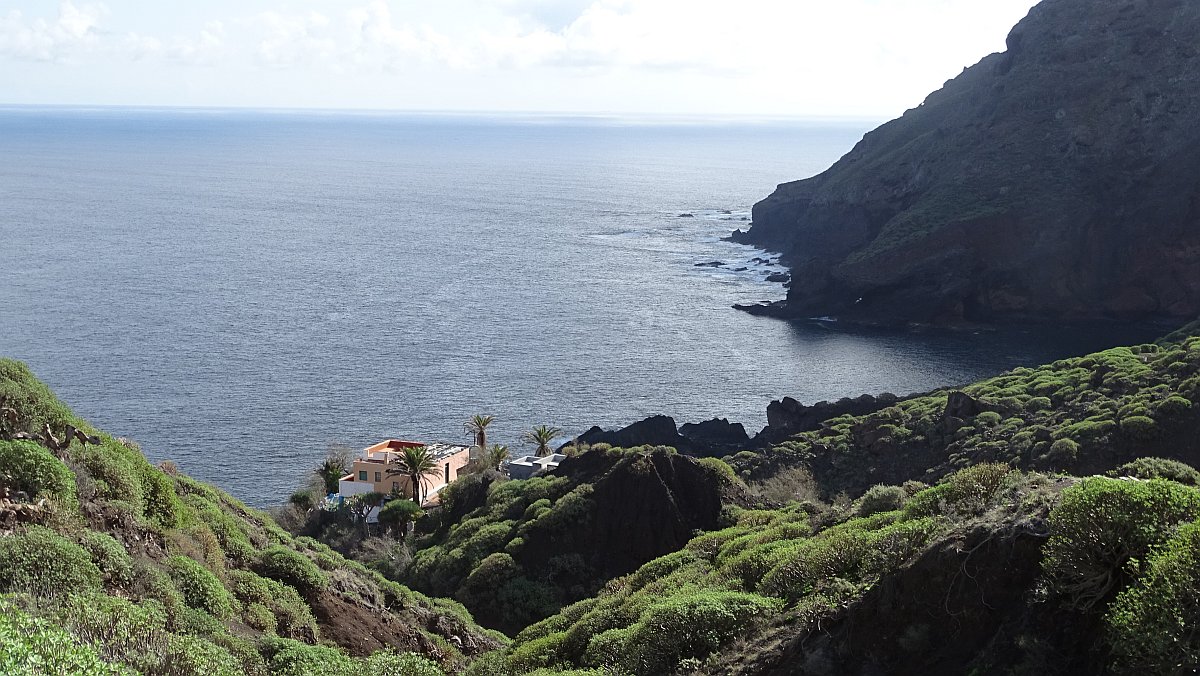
(393, 445)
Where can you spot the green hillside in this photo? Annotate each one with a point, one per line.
(1044, 521)
(109, 564)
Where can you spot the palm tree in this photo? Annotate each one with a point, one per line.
(477, 426)
(541, 436)
(336, 465)
(496, 456)
(416, 463)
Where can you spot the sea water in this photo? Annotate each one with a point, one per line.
(236, 290)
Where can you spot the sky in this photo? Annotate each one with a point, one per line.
(802, 58)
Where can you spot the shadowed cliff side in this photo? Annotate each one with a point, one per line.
(1057, 180)
(514, 552)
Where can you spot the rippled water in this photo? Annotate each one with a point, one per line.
(237, 290)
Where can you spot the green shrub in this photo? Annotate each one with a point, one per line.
(494, 663)
(114, 469)
(257, 616)
(289, 567)
(677, 628)
(193, 655)
(397, 514)
(720, 469)
(293, 658)
(1159, 468)
(152, 583)
(1152, 625)
(135, 635)
(42, 562)
(1139, 427)
(30, 646)
(969, 490)
(291, 616)
(1173, 405)
(200, 588)
(30, 467)
(1036, 404)
(881, 498)
(1063, 453)
(391, 663)
(807, 563)
(109, 556)
(1101, 524)
(988, 418)
(160, 504)
(32, 399)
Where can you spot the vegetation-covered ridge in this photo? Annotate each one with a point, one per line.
(1081, 415)
(515, 551)
(1043, 521)
(1036, 522)
(109, 564)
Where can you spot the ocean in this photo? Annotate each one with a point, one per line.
(237, 290)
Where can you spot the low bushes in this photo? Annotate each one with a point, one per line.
(32, 646)
(42, 562)
(289, 567)
(1159, 468)
(290, 616)
(970, 490)
(1151, 625)
(31, 468)
(1101, 524)
(109, 556)
(678, 628)
(200, 588)
(881, 499)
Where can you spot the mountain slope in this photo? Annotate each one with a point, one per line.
(514, 552)
(141, 568)
(1057, 180)
(1013, 561)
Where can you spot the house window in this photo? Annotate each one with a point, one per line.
(395, 486)
(378, 477)
(447, 472)
(362, 475)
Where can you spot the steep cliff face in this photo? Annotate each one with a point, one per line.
(1057, 180)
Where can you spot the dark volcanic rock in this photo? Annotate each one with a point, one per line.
(788, 416)
(1057, 180)
(713, 437)
(710, 264)
(657, 430)
(717, 433)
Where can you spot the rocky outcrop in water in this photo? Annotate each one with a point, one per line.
(713, 437)
(787, 416)
(1059, 180)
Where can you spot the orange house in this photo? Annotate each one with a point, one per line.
(369, 471)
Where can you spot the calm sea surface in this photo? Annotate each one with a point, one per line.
(238, 290)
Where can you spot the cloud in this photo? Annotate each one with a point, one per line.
(71, 33)
(804, 55)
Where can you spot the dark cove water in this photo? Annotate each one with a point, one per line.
(237, 290)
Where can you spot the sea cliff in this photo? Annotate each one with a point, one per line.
(1058, 180)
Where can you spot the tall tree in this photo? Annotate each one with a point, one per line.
(336, 465)
(541, 436)
(416, 463)
(360, 506)
(495, 456)
(477, 426)
(397, 514)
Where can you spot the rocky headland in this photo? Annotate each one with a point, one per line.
(1058, 180)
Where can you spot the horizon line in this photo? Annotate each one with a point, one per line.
(448, 112)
